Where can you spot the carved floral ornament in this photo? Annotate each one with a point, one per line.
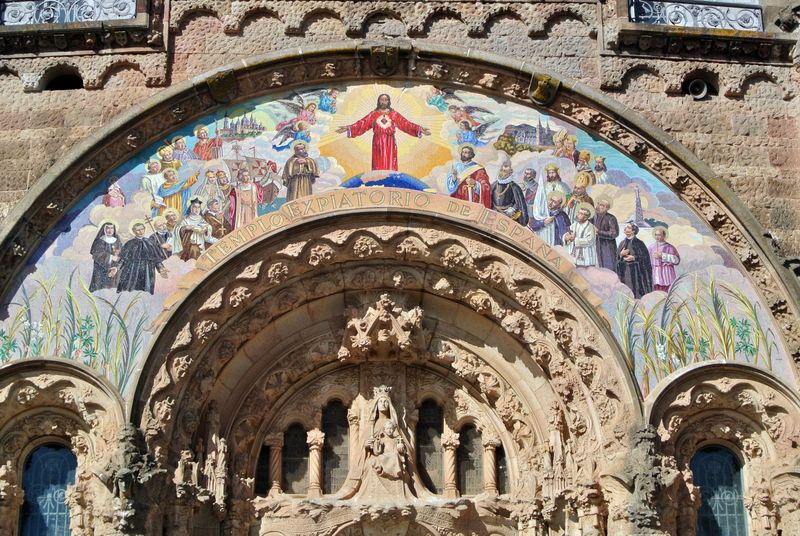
(48, 401)
(761, 414)
(493, 79)
(591, 401)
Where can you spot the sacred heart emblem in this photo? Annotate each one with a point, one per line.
(384, 60)
(384, 121)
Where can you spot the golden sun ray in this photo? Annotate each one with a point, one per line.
(416, 156)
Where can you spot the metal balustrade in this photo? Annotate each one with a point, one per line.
(26, 12)
(741, 16)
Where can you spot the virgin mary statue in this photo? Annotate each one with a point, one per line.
(384, 468)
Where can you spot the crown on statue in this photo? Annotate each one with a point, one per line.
(382, 390)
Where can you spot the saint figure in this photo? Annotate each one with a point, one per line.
(205, 148)
(151, 182)
(551, 223)
(138, 263)
(633, 263)
(105, 256)
(384, 121)
(507, 196)
(180, 152)
(468, 180)
(162, 237)
(215, 217)
(384, 466)
(193, 232)
(299, 173)
(554, 182)
(114, 197)
(579, 195)
(607, 229)
(665, 258)
(174, 192)
(244, 200)
(580, 239)
(600, 169)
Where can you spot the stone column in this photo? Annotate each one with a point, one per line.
(315, 441)
(490, 444)
(450, 443)
(275, 444)
(353, 419)
(11, 498)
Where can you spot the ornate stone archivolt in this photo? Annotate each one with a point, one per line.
(44, 401)
(523, 357)
(744, 409)
(693, 182)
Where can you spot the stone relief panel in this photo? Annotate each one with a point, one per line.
(61, 405)
(385, 333)
(744, 411)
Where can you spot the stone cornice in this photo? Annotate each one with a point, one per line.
(144, 32)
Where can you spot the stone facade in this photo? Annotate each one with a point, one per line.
(407, 299)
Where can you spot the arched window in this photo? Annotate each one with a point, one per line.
(295, 460)
(335, 450)
(470, 461)
(502, 471)
(48, 471)
(718, 473)
(262, 472)
(429, 445)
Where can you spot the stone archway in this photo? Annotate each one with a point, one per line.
(49, 401)
(535, 365)
(500, 318)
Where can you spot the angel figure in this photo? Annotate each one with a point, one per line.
(472, 136)
(441, 98)
(468, 113)
(299, 110)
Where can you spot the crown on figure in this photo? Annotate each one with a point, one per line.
(383, 390)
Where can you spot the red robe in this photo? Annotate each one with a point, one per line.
(234, 204)
(383, 126)
(204, 149)
(482, 194)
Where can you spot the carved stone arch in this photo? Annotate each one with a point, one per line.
(744, 409)
(519, 349)
(768, 405)
(57, 401)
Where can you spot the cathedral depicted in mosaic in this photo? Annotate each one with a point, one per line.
(353, 268)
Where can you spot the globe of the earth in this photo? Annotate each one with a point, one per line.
(386, 179)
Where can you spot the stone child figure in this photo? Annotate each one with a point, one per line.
(383, 470)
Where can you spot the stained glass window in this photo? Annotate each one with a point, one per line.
(502, 471)
(48, 472)
(429, 445)
(336, 447)
(295, 460)
(718, 473)
(470, 461)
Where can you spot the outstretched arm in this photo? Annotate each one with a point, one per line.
(359, 127)
(412, 129)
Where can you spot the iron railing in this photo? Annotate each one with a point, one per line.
(24, 12)
(694, 14)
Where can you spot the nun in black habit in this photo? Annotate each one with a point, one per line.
(105, 252)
